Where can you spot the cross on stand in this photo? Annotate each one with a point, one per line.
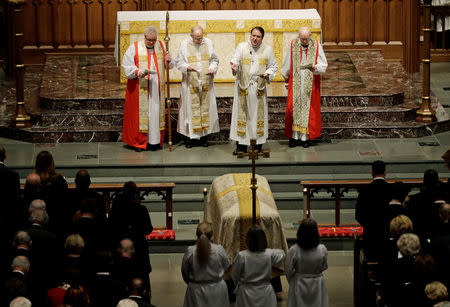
(253, 155)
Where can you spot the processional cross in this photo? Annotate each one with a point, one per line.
(253, 155)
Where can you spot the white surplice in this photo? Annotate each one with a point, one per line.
(321, 67)
(184, 125)
(130, 69)
(252, 107)
(205, 284)
(252, 272)
(304, 269)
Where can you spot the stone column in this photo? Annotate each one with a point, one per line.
(21, 118)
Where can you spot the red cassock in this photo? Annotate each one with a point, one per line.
(315, 119)
(130, 129)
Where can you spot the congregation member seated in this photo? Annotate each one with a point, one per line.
(305, 262)
(78, 296)
(137, 292)
(436, 293)
(125, 266)
(130, 219)
(399, 286)
(202, 268)
(74, 262)
(17, 282)
(252, 270)
(21, 245)
(371, 207)
(53, 189)
(46, 256)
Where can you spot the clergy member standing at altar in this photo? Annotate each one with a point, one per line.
(198, 63)
(144, 65)
(303, 64)
(254, 65)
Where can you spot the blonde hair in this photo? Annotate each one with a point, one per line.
(408, 244)
(436, 291)
(74, 244)
(399, 225)
(204, 233)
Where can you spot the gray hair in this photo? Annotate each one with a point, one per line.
(39, 217)
(37, 204)
(22, 237)
(20, 301)
(442, 304)
(127, 302)
(151, 30)
(408, 244)
(195, 28)
(305, 30)
(21, 262)
(436, 291)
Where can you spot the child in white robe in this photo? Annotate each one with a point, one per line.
(305, 263)
(252, 271)
(202, 268)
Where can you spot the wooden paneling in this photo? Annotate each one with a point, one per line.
(83, 25)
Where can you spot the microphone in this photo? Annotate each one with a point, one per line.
(251, 52)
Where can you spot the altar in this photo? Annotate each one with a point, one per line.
(225, 28)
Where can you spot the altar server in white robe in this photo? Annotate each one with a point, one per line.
(144, 64)
(202, 268)
(198, 63)
(252, 271)
(254, 65)
(305, 263)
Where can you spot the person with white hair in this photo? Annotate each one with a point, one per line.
(303, 64)
(20, 301)
(198, 62)
(144, 64)
(16, 283)
(37, 204)
(126, 302)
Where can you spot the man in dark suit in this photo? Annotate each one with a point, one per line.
(46, 254)
(137, 292)
(17, 282)
(371, 207)
(125, 266)
(22, 245)
(440, 244)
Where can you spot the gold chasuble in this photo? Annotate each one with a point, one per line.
(244, 82)
(229, 210)
(144, 63)
(199, 86)
(301, 101)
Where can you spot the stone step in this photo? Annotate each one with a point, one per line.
(81, 118)
(48, 103)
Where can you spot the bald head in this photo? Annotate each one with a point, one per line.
(197, 34)
(33, 179)
(304, 34)
(82, 180)
(136, 287)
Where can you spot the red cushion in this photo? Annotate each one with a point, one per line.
(161, 234)
(341, 232)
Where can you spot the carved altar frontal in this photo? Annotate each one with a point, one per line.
(225, 28)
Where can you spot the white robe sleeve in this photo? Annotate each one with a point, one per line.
(186, 264)
(214, 59)
(237, 55)
(272, 65)
(223, 258)
(286, 67)
(277, 256)
(129, 68)
(290, 264)
(322, 63)
(181, 60)
(324, 265)
(237, 268)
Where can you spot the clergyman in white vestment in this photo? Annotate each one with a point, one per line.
(254, 65)
(198, 63)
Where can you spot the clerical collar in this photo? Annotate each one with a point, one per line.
(150, 48)
(305, 46)
(395, 203)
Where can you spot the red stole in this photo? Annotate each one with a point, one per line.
(130, 129)
(315, 119)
